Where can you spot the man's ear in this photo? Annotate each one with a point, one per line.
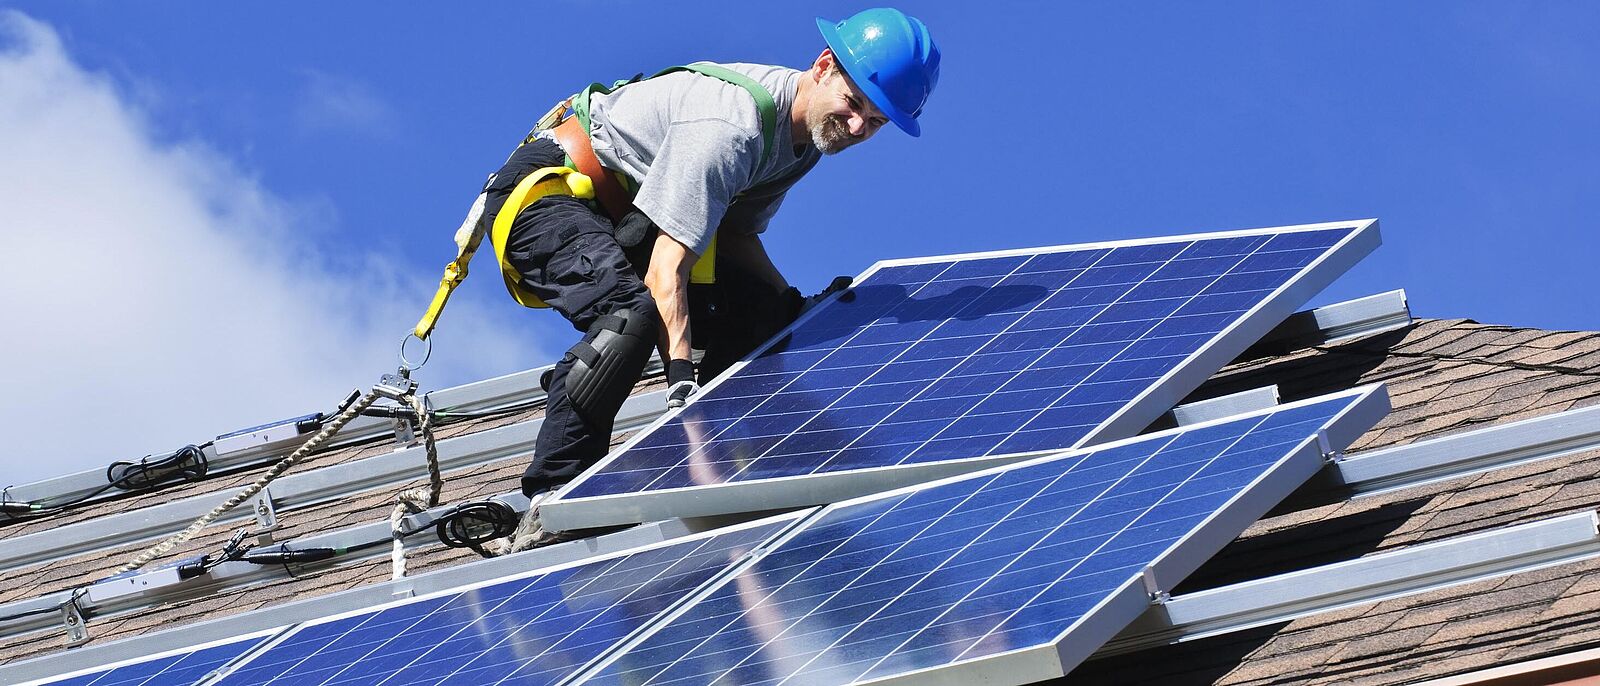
(823, 64)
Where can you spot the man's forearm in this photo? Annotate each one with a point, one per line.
(672, 302)
(668, 281)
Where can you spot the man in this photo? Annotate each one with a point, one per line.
(711, 151)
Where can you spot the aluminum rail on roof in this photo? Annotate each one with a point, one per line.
(1337, 322)
(1406, 571)
(489, 394)
(480, 395)
(297, 489)
(1468, 452)
(1199, 411)
(341, 601)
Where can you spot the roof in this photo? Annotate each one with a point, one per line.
(1444, 377)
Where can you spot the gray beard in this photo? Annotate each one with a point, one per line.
(830, 135)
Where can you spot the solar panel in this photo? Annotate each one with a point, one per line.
(1011, 575)
(932, 367)
(178, 668)
(534, 629)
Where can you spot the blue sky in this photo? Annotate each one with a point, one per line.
(327, 151)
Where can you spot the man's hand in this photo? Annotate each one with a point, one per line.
(680, 383)
(839, 283)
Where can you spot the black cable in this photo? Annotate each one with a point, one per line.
(284, 555)
(183, 465)
(471, 525)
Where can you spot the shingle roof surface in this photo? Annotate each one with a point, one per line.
(1443, 376)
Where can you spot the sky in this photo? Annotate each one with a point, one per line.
(215, 215)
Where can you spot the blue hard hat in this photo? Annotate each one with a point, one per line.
(891, 58)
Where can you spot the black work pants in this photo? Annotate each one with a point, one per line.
(567, 256)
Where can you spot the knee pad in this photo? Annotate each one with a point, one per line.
(607, 362)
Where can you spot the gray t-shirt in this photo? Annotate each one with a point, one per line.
(693, 143)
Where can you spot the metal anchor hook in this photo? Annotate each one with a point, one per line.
(399, 384)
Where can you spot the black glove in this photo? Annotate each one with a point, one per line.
(839, 283)
(680, 383)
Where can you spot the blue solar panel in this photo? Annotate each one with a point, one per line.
(963, 358)
(989, 564)
(177, 669)
(530, 630)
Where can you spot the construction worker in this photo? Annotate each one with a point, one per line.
(684, 164)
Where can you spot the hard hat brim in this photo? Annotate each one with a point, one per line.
(847, 62)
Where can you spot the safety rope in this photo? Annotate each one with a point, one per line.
(424, 409)
(411, 502)
(311, 444)
(415, 500)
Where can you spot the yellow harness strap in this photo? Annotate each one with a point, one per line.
(705, 269)
(542, 182)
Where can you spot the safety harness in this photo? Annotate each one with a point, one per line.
(582, 177)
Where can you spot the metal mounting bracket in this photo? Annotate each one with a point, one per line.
(1153, 587)
(396, 386)
(404, 434)
(1325, 446)
(266, 516)
(72, 620)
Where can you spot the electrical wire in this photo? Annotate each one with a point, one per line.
(471, 525)
(183, 465)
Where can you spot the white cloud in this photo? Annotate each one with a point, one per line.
(153, 294)
(341, 104)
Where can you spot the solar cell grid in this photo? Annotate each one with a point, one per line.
(530, 630)
(960, 359)
(983, 565)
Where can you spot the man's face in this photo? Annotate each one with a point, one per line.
(840, 115)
